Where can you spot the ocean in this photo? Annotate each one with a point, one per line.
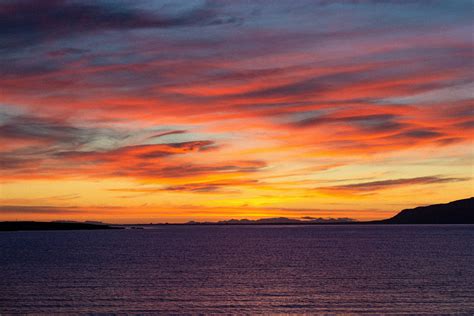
(375, 269)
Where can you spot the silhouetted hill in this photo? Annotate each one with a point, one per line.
(15, 226)
(456, 212)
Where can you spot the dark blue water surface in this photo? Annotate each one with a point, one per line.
(240, 269)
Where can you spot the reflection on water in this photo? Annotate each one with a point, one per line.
(399, 269)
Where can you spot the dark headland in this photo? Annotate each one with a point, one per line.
(456, 212)
(16, 226)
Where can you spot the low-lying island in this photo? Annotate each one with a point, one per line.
(22, 226)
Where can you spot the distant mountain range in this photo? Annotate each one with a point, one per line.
(278, 221)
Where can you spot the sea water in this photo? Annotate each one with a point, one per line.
(240, 269)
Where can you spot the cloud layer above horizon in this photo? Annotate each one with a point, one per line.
(202, 110)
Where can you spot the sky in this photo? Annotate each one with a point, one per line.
(170, 111)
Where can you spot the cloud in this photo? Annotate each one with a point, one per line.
(67, 51)
(167, 133)
(467, 124)
(310, 86)
(372, 122)
(54, 133)
(220, 187)
(36, 128)
(190, 169)
(374, 186)
(224, 186)
(421, 134)
(25, 209)
(138, 152)
(23, 23)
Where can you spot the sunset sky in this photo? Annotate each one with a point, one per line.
(169, 111)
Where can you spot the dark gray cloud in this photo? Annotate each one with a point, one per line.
(386, 184)
(373, 122)
(421, 133)
(162, 134)
(23, 23)
(54, 131)
(466, 124)
(36, 128)
(308, 86)
(14, 162)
